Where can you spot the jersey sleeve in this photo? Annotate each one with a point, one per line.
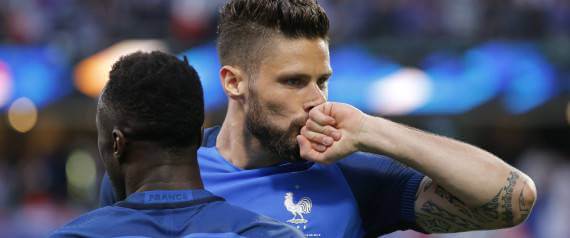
(107, 195)
(385, 191)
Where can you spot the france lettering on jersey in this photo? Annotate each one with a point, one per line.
(361, 195)
(174, 213)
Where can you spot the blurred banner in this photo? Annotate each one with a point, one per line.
(515, 73)
(38, 73)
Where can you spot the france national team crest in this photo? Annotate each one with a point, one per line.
(297, 209)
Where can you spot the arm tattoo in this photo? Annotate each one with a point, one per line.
(523, 208)
(508, 197)
(449, 214)
(439, 190)
(436, 225)
(435, 210)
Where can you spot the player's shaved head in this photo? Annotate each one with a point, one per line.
(154, 97)
(247, 25)
(149, 121)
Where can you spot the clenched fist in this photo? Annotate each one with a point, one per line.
(331, 132)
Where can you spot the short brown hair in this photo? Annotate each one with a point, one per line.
(245, 24)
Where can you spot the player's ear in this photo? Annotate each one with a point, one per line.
(233, 83)
(119, 145)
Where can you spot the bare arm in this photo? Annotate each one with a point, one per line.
(466, 187)
(439, 211)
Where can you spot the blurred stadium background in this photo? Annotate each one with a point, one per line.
(492, 73)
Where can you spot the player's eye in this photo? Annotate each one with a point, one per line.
(294, 82)
(323, 83)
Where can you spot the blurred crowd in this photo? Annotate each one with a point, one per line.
(81, 28)
(40, 191)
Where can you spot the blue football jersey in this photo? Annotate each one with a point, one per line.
(174, 213)
(363, 195)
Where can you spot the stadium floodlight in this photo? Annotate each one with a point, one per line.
(92, 73)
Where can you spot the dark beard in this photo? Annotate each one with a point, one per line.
(281, 143)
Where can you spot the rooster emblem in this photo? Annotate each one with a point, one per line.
(303, 206)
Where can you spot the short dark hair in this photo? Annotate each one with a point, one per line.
(158, 97)
(244, 24)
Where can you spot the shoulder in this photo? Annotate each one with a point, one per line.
(365, 170)
(372, 164)
(86, 225)
(384, 190)
(363, 157)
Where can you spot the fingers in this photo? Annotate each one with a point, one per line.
(319, 115)
(318, 147)
(306, 150)
(315, 137)
(325, 130)
(319, 131)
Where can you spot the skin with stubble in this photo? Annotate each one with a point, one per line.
(291, 80)
(274, 102)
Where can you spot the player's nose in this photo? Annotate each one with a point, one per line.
(316, 97)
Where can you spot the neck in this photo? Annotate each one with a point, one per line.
(238, 146)
(162, 171)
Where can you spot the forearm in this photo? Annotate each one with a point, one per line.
(466, 188)
(471, 174)
(439, 211)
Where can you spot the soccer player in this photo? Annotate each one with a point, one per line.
(327, 168)
(149, 122)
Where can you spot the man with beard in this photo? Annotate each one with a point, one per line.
(275, 72)
(149, 124)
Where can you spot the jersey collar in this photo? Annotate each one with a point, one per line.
(163, 199)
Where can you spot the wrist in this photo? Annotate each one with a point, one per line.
(372, 137)
(362, 134)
